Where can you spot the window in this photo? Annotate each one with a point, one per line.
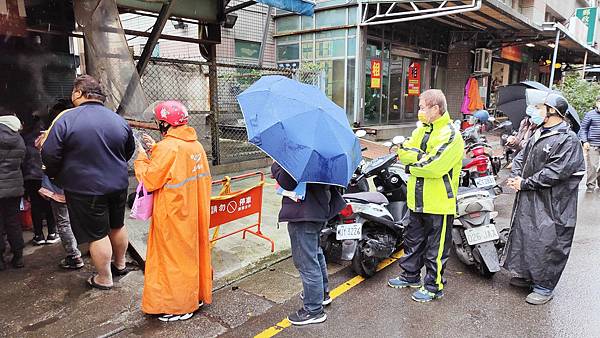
(332, 18)
(308, 22)
(352, 15)
(288, 24)
(247, 49)
(288, 52)
(330, 48)
(308, 53)
(334, 80)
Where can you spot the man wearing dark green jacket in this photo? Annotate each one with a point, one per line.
(433, 158)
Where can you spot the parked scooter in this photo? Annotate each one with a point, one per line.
(475, 238)
(355, 185)
(479, 166)
(371, 226)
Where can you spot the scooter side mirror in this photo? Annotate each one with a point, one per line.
(388, 144)
(360, 133)
(398, 140)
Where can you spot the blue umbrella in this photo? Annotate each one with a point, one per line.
(301, 129)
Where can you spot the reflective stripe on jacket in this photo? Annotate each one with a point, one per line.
(433, 157)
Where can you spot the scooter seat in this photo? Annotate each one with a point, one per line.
(369, 197)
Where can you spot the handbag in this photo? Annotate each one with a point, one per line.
(142, 205)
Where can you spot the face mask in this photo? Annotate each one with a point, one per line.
(422, 117)
(535, 115)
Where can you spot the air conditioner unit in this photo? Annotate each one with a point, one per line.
(483, 60)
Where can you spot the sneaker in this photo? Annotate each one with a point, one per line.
(326, 298)
(423, 295)
(303, 317)
(175, 318)
(520, 282)
(400, 282)
(590, 190)
(535, 298)
(52, 238)
(2, 264)
(38, 240)
(71, 262)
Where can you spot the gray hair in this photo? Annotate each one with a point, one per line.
(433, 97)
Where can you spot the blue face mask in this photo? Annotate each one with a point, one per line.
(535, 115)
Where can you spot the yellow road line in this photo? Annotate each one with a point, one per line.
(338, 291)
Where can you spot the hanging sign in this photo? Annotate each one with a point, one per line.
(512, 53)
(414, 79)
(376, 73)
(589, 16)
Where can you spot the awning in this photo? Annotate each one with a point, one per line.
(301, 7)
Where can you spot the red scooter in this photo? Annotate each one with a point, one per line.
(479, 166)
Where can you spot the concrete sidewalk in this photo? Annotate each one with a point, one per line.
(234, 257)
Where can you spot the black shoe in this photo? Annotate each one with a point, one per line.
(17, 260)
(520, 282)
(52, 238)
(2, 264)
(303, 317)
(71, 262)
(38, 240)
(116, 272)
(326, 298)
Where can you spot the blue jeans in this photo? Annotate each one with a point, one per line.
(309, 260)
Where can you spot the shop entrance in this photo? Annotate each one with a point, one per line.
(406, 77)
(392, 97)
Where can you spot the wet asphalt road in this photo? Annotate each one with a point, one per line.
(473, 306)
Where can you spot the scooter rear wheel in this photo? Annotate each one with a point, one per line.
(364, 265)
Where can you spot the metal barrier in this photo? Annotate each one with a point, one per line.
(230, 205)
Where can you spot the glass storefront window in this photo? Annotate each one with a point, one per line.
(288, 24)
(288, 52)
(334, 80)
(330, 48)
(350, 90)
(338, 33)
(308, 22)
(352, 32)
(308, 53)
(290, 38)
(372, 113)
(247, 49)
(331, 18)
(352, 15)
(351, 46)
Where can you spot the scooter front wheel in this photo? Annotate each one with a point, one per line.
(364, 265)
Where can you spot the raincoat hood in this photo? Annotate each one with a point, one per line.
(11, 122)
(185, 133)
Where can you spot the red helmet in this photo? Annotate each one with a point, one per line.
(172, 112)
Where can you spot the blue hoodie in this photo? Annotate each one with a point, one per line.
(87, 150)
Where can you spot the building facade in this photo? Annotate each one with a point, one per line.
(377, 72)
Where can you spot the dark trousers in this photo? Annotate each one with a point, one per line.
(40, 208)
(10, 224)
(427, 242)
(309, 260)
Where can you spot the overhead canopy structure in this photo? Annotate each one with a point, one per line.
(205, 11)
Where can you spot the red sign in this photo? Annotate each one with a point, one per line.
(512, 53)
(376, 73)
(225, 209)
(414, 79)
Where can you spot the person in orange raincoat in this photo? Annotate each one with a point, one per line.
(178, 275)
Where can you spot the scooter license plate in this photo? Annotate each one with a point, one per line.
(485, 182)
(348, 231)
(480, 234)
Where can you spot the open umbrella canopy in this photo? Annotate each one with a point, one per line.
(512, 101)
(301, 129)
